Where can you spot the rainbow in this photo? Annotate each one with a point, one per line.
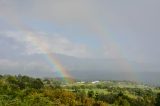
(49, 56)
(107, 39)
(37, 42)
(100, 29)
(62, 72)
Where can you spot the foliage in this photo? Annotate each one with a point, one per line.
(26, 91)
(157, 103)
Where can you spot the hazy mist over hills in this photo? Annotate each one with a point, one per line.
(83, 69)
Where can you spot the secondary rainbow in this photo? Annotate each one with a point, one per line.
(107, 39)
(57, 66)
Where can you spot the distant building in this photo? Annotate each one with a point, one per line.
(95, 82)
(82, 82)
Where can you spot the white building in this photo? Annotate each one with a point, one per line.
(95, 82)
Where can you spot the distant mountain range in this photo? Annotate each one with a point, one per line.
(85, 69)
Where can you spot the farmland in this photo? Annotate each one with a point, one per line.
(27, 91)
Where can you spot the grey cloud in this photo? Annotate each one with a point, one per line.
(55, 44)
(132, 25)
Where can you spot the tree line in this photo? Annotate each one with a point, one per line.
(27, 91)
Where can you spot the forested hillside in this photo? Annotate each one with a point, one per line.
(26, 91)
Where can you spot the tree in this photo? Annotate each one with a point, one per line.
(37, 84)
(21, 85)
(157, 100)
(121, 102)
(12, 80)
(90, 94)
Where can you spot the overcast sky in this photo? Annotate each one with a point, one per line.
(110, 29)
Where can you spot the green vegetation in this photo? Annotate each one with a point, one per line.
(26, 91)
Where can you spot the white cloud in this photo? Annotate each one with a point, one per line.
(41, 42)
